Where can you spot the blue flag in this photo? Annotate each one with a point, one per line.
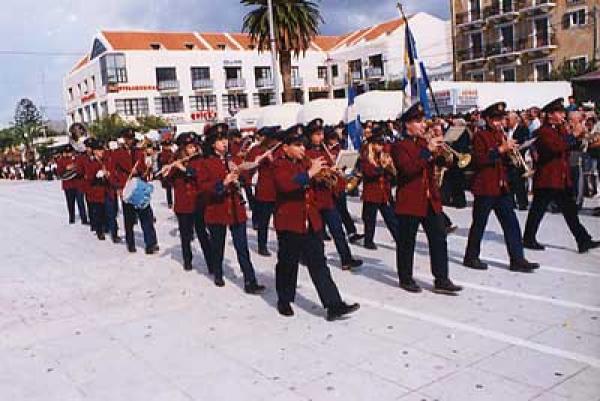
(354, 127)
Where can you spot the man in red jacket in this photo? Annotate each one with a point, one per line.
(67, 162)
(491, 190)
(298, 224)
(418, 202)
(219, 184)
(552, 179)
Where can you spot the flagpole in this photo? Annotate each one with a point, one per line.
(437, 110)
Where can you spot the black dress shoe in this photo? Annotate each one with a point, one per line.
(451, 228)
(446, 287)
(101, 236)
(285, 309)
(523, 265)
(337, 311)
(116, 239)
(353, 238)
(85, 223)
(152, 249)
(410, 286)
(586, 246)
(533, 245)
(131, 248)
(371, 246)
(72, 221)
(264, 252)
(353, 263)
(475, 263)
(219, 282)
(254, 288)
(187, 266)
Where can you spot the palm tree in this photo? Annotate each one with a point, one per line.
(296, 24)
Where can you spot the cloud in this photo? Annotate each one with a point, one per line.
(66, 27)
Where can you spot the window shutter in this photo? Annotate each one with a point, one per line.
(566, 21)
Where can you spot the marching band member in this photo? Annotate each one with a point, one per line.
(82, 162)
(324, 195)
(378, 171)
(166, 156)
(265, 187)
(219, 182)
(418, 202)
(490, 187)
(332, 141)
(131, 162)
(299, 225)
(96, 176)
(552, 179)
(111, 200)
(67, 163)
(189, 206)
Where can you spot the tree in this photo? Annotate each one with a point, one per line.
(566, 71)
(28, 123)
(109, 127)
(147, 123)
(296, 24)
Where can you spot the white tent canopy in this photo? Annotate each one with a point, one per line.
(284, 115)
(332, 111)
(248, 118)
(377, 105)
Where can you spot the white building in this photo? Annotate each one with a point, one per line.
(190, 78)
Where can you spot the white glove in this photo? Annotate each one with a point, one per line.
(100, 174)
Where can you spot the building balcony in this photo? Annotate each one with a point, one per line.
(471, 55)
(540, 44)
(356, 76)
(374, 73)
(297, 82)
(264, 83)
(235, 83)
(202, 84)
(538, 6)
(503, 11)
(168, 86)
(470, 20)
(501, 50)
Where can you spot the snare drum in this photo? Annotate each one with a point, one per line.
(137, 193)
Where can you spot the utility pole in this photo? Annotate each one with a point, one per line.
(595, 22)
(274, 67)
(453, 38)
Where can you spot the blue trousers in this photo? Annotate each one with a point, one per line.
(240, 243)
(188, 223)
(73, 196)
(503, 209)
(110, 211)
(333, 221)
(146, 218)
(264, 211)
(341, 204)
(369, 216)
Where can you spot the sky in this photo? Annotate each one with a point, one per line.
(41, 40)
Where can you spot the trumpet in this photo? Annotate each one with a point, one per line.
(327, 176)
(463, 159)
(518, 161)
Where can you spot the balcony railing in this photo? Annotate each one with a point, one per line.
(374, 72)
(169, 85)
(469, 17)
(202, 84)
(297, 81)
(263, 83)
(504, 10)
(471, 54)
(541, 42)
(235, 83)
(504, 49)
(532, 6)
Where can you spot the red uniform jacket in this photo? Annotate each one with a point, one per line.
(377, 185)
(323, 194)
(97, 187)
(417, 190)
(224, 205)
(265, 186)
(123, 161)
(341, 182)
(296, 208)
(61, 167)
(185, 186)
(552, 167)
(82, 161)
(490, 178)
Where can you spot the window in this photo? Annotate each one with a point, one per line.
(113, 69)
(88, 114)
(169, 104)
(335, 71)
(93, 82)
(322, 72)
(578, 64)
(508, 74)
(104, 109)
(262, 76)
(85, 86)
(474, 10)
(80, 113)
(189, 46)
(166, 78)
(574, 18)
(79, 92)
(203, 103)
(221, 46)
(263, 99)
(507, 37)
(71, 97)
(233, 73)
(541, 71)
(95, 115)
(200, 73)
(97, 49)
(132, 107)
(155, 46)
(476, 39)
(477, 76)
(235, 102)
